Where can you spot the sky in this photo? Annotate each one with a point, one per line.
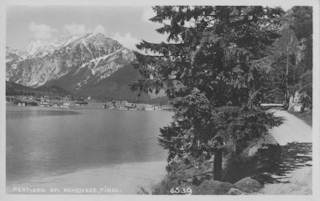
(126, 24)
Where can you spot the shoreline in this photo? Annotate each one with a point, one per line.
(125, 178)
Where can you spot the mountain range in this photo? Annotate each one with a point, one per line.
(89, 65)
(93, 65)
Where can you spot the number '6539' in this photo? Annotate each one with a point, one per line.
(178, 190)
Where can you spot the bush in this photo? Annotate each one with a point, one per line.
(212, 187)
(261, 155)
(164, 187)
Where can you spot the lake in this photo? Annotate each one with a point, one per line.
(84, 147)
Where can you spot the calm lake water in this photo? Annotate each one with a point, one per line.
(43, 142)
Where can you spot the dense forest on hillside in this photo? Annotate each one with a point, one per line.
(14, 89)
(291, 59)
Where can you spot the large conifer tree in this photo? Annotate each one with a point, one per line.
(211, 70)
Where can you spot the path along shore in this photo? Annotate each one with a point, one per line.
(295, 138)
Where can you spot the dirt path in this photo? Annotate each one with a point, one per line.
(295, 174)
(292, 129)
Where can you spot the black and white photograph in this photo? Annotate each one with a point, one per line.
(160, 98)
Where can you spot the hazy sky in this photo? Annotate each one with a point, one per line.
(126, 24)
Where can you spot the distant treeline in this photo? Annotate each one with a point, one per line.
(14, 89)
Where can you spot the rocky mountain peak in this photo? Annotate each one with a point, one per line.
(98, 36)
(59, 41)
(32, 47)
(75, 63)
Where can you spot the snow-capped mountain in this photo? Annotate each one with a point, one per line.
(36, 48)
(79, 64)
(31, 48)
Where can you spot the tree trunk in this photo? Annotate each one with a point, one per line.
(287, 78)
(303, 104)
(217, 165)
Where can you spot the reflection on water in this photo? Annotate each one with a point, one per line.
(43, 141)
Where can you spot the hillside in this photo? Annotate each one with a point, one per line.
(115, 87)
(18, 89)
